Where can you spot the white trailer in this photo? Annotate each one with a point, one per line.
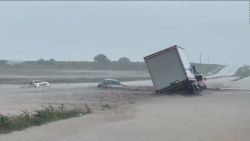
(170, 70)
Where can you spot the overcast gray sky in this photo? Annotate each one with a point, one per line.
(33, 30)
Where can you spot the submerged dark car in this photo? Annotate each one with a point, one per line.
(110, 83)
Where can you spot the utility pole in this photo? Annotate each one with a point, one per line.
(69, 56)
(200, 58)
(249, 11)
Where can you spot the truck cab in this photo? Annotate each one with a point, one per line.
(201, 80)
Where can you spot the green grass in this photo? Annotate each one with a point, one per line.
(9, 123)
(242, 72)
(208, 69)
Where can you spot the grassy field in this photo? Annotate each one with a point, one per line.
(76, 72)
(242, 72)
(9, 123)
(208, 69)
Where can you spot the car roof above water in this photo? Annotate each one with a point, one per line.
(36, 81)
(110, 80)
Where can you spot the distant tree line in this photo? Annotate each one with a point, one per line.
(3, 62)
(243, 71)
(100, 62)
(101, 58)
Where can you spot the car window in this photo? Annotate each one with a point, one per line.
(198, 77)
(106, 81)
(109, 82)
(116, 83)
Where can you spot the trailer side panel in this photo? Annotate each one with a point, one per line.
(165, 68)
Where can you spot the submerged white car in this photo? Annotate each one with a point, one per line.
(38, 83)
(110, 83)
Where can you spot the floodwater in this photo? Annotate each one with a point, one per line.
(136, 114)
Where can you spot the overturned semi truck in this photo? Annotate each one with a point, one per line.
(170, 71)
